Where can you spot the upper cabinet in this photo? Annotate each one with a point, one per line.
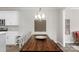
(11, 17)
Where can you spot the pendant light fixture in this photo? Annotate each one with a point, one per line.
(40, 15)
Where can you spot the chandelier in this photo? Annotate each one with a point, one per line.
(40, 15)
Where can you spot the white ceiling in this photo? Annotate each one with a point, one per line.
(25, 8)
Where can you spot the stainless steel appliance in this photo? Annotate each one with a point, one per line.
(2, 22)
(2, 25)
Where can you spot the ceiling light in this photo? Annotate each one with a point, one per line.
(40, 15)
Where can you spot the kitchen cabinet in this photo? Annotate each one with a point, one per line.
(11, 17)
(2, 41)
(11, 37)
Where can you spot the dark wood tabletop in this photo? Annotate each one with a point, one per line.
(40, 45)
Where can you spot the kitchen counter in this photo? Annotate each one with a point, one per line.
(2, 41)
(2, 32)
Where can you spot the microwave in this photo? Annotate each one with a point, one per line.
(2, 22)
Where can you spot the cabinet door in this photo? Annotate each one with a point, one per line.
(2, 42)
(11, 18)
(11, 38)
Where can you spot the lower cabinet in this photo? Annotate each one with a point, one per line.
(2, 42)
(11, 38)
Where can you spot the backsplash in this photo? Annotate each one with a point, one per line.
(12, 28)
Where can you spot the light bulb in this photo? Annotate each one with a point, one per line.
(36, 17)
(39, 16)
(43, 16)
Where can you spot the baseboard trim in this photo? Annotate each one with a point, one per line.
(10, 45)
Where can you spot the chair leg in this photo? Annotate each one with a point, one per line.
(20, 45)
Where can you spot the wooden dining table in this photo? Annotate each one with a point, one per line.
(40, 45)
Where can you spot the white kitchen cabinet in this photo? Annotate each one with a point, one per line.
(11, 37)
(2, 41)
(11, 17)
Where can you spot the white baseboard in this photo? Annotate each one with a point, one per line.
(10, 44)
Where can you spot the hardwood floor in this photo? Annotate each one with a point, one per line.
(40, 45)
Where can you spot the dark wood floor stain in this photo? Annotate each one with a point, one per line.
(40, 45)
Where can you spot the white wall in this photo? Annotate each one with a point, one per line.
(73, 15)
(61, 27)
(51, 17)
(27, 18)
(25, 21)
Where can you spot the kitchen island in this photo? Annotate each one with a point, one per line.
(40, 45)
(2, 41)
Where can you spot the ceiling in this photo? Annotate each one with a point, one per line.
(25, 8)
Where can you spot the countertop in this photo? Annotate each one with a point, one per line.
(2, 32)
(35, 45)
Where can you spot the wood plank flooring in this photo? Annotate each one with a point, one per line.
(38, 45)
